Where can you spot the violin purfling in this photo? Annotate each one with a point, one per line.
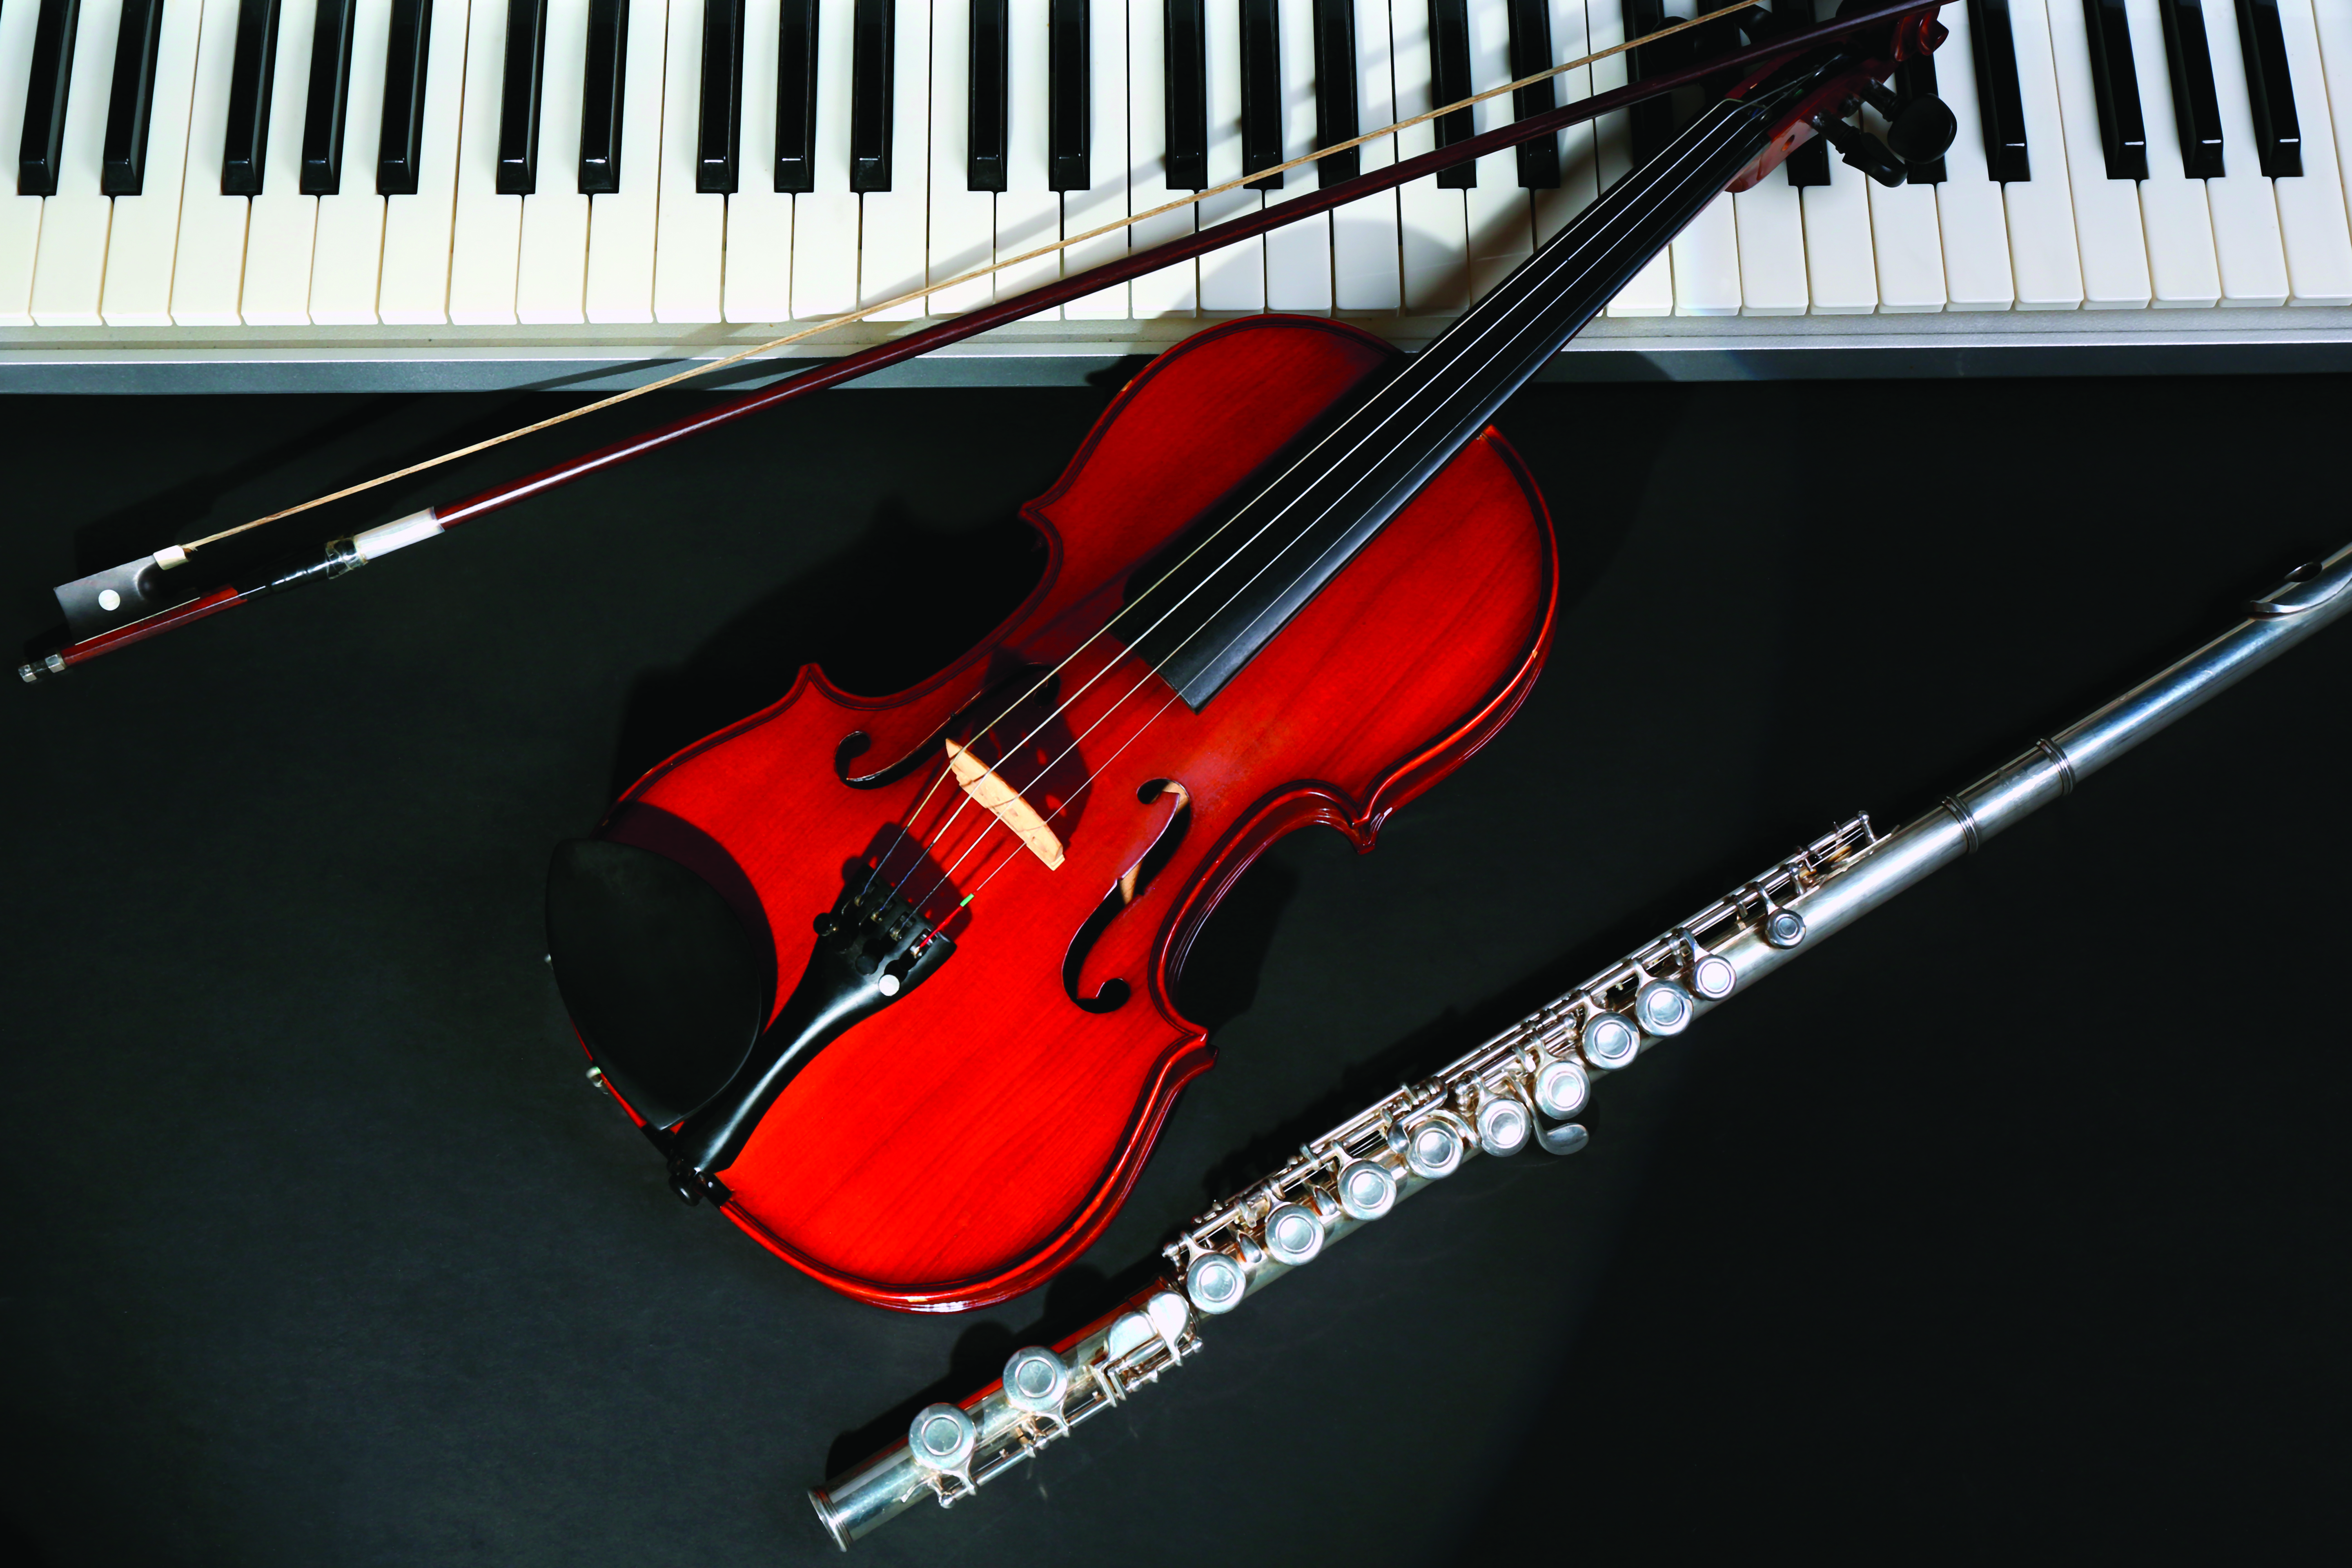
(890, 981)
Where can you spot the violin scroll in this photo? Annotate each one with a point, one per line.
(1919, 125)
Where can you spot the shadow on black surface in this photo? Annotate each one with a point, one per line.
(158, 519)
(1220, 977)
(18, 1549)
(900, 606)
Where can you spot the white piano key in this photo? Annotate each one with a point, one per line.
(141, 239)
(208, 259)
(825, 220)
(552, 275)
(622, 224)
(1173, 290)
(2311, 209)
(1771, 218)
(893, 234)
(1106, 199)
(20, 216)
(1706, 260)
(1840, 268)
(1904, 238)
(759, 258)
(1969, 216)
(1232, 278)
(1028, 210)
(280, 234)
(2246, 239)
(2333, 27)
(1500, 217)
(2045, 260)
(2107, 229)
(414, 288)
(487, 227)
(963, 221)
(1706, 255)
(71, 266)
(691, 239)
(344, 269)
(1908, 247)
(1652, 290)
(1434, 224)
(1298, 257)
(1580, 181)
(1364, 262)
(2175, 222)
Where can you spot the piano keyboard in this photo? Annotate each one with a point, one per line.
(217, 194)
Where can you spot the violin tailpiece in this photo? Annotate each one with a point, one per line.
(982, 782)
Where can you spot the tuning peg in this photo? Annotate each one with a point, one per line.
(1919, 129)
(1865, 152)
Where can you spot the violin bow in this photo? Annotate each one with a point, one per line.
(140, 599)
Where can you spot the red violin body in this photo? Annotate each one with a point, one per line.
(962, 1144)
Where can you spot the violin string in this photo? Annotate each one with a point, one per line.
(986, 827)
(1468, 324)
(906, 824)
(1052, 248)
(1076, 741)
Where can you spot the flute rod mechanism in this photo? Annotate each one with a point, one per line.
(1525, 1085)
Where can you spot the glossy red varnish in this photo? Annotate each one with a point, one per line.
(963, 1144)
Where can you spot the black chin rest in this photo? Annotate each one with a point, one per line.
(663, 981)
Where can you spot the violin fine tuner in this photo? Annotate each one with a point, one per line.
(1356, 1173)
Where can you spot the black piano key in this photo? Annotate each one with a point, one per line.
(2000, 100)
(719, 124)
(990, 129)
(603, 77)
(1186, 95)
(1916, 78)
(873, 29)
(1262, 90)
(1449, 82)
(1335, 90)
(2278, 132)
(400, 140)
(1531, 52)
(1068, 95)
(330, 95)
(2196, 113)
(2123, 134)
(253, 67)
(1652, 119)
(44, 97)
(519, 97)
(123, 169)
(796, 96)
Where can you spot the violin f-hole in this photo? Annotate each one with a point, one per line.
(1131, 887)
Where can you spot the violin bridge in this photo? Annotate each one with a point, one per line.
(979, 781)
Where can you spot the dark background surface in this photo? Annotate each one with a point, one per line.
(2014, 1218)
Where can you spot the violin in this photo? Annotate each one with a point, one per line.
(890, 981)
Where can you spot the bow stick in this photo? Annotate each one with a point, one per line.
(140, 584)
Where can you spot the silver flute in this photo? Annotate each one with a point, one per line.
(1526, 1085)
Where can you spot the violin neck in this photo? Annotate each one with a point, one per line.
(1241, 583)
